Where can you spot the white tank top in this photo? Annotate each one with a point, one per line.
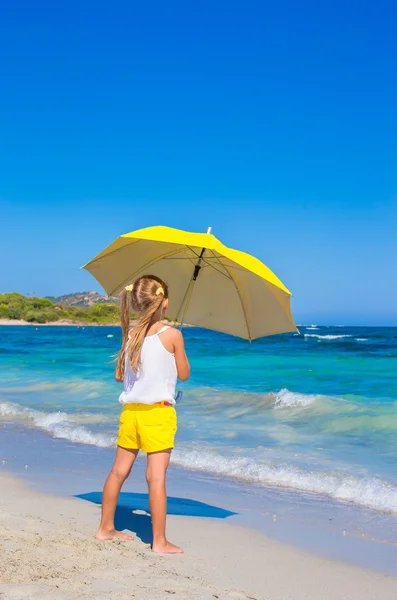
(156, 378)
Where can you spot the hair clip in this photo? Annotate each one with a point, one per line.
(129, 288)
(159, 291)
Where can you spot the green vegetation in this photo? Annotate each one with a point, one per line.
(42, 310)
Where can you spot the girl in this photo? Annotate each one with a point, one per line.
(150, 360)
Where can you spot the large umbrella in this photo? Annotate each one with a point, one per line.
(211, 285)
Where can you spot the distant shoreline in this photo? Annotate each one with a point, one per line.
(68, 323)
(60, 323)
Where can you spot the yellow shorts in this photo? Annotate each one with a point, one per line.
(147, 427)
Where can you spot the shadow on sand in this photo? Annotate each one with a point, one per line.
(141, 524)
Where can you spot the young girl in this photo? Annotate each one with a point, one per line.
(151, 358)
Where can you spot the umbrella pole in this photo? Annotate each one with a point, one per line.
(189, 291)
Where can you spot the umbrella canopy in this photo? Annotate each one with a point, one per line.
(211, 285)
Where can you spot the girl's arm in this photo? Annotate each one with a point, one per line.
(182, 363)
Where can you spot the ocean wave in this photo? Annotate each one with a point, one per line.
(286, 399)
(326, 337)
(76, 386)
(211, 399)
(312, 328)
(361, 339)
(60, 424)
(365, 491)
(76, 427)
(370, 492)
(81, 435)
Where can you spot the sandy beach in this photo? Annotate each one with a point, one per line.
(48, 551)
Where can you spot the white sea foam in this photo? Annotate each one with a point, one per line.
(47, 420)
(110, 335)
(370, 492)
(326, 337)
(60, 424)
(361, 339)
(82, 435)
(312, 328)
(286, 399)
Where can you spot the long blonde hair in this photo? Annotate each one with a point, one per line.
(145, 296)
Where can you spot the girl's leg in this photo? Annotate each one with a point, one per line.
(157, 463)
(119, 473)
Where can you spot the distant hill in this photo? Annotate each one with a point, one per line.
(85, 299)
(84, 308)
(87, 307)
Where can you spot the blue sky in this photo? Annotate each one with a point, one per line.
(273, 122)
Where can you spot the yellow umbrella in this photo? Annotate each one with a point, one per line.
(211, 285)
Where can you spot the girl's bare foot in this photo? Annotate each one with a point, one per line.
(109, 534)
(166, 548)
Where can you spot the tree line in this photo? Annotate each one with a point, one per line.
(42, 310)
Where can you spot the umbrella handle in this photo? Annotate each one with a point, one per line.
(189, 291)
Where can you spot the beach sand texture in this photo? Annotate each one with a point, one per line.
(48, 551)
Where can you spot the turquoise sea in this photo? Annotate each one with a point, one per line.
(313, 413)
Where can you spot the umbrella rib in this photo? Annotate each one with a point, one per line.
(207, 264)
(240, 298)
(268, 283)
(223, 265)
(134, 241)
(94, 260)
(196, 254)
(215, 269)
(205, 260)
(148, 264)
